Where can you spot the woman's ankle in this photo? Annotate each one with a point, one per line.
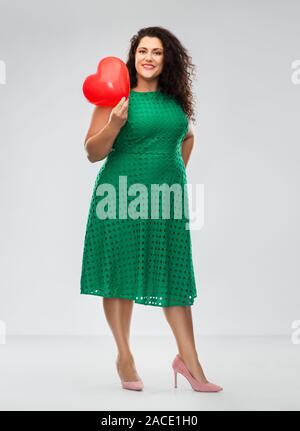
(125, 357)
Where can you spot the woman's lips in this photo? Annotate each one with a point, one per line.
(148, 66)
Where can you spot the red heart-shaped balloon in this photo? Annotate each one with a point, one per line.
(109, 84)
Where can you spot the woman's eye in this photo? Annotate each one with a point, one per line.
(142, 52)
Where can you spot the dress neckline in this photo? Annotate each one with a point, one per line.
(144, 92)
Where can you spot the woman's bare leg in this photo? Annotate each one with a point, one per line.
(181, 323)
(118, 314)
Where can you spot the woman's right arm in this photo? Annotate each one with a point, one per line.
(105, 125)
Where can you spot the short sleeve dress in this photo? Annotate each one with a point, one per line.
(137, 241)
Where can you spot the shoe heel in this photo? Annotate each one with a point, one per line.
(175, 379)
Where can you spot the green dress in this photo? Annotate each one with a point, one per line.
(134, 255)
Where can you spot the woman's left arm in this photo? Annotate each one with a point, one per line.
(187, 144)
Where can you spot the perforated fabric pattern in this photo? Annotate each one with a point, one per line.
(147, 260)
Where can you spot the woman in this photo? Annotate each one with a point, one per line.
(146, 139)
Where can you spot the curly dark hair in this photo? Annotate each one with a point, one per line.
(175, 78)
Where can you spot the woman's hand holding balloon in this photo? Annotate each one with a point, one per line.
(119, 114)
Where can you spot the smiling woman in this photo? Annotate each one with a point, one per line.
(135, 257)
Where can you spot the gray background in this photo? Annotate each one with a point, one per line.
(246, 154)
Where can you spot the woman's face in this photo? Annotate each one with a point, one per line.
(150, 51)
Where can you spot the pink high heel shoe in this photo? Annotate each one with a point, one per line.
(135, 385)
(179, 367)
